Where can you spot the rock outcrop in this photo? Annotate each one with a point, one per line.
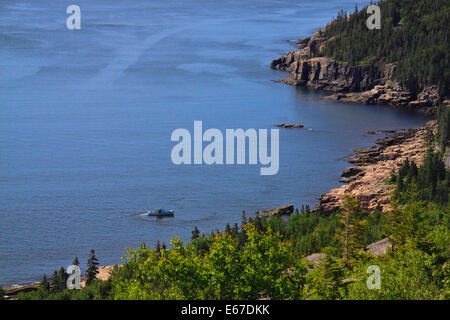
(367, 181)
(279, 211)
(295, 125)
(12, 292)
(368, 83)
(379, 248)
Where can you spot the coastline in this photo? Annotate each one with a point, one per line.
(365, 83)
(366, 179)
(372, 166)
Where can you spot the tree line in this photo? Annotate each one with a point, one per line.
(414, 35)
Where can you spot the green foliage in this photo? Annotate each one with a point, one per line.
(97, 290)
(326, 281)
(58, 280)
(263, 267)
(414, 35)
(92, 267)
(408, 273)
(443, 118)
(431, 181)
(354, 225)
(263, 258)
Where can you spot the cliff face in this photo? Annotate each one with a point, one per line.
(370, 84)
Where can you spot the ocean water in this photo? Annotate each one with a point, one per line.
(86, 118)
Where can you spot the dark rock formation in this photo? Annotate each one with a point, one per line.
(296, 125)
(369, 84)
(350, 171)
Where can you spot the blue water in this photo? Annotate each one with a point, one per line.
(86, 118)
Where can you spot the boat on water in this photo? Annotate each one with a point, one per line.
(159, 212)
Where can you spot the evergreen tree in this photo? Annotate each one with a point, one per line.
(235, 230)
(353, 226)
(92, 267)
(414, 36)
(45, 285)
(58, 280)
(243, 220)
(228, 229)
(195, 233)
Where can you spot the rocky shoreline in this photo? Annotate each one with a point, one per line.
(367, 180)
(368, 84)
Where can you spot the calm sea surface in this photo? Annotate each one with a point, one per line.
(86, 118)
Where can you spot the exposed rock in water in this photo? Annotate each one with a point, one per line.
(295, 125)
(369, 84)
(279, 211)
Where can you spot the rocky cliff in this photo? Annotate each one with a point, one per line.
(370, 84)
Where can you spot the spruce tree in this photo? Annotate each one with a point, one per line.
(353, 226)
(243, 219)
(44, 285)
(58, 280)
(92, 267)
(195, 233)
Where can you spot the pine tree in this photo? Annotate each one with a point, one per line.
(353, 226)
(243, 220)
(235, 230)
(59, 280)
(44, 285)
(228, 229)
(405, 223)
(54, 282)
(92, 267)
(258, 223)
(76, 262)
(394, 225)
(195, 233)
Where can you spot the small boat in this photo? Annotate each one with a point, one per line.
(159, 212)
